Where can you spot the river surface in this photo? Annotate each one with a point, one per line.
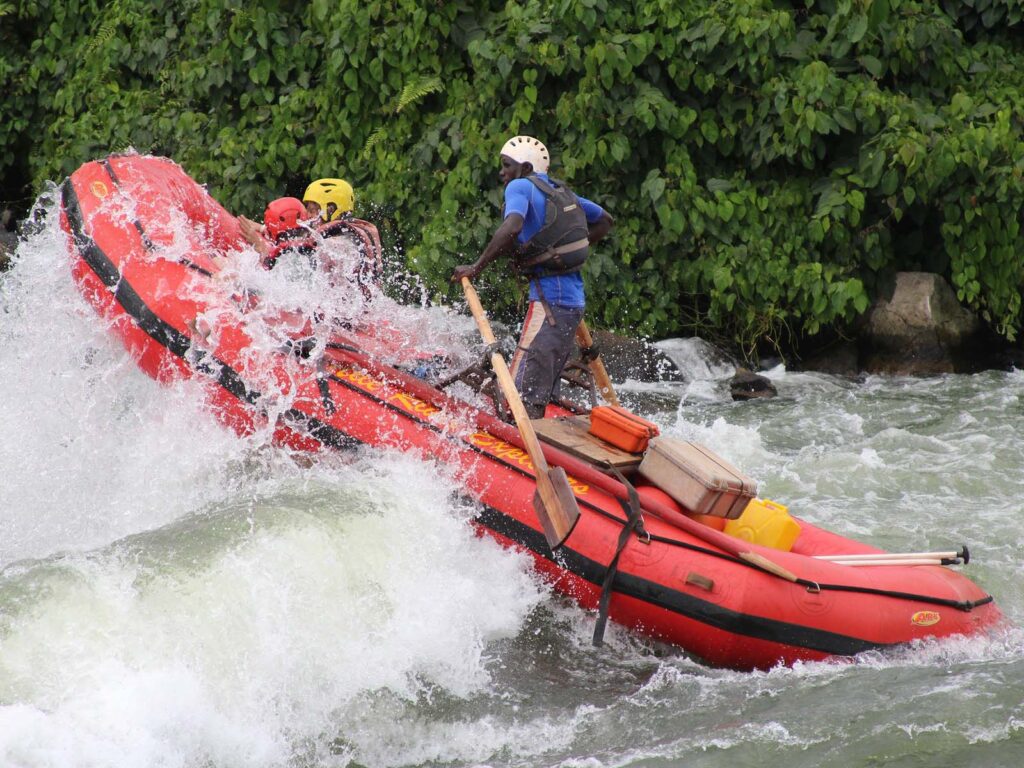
(174, 595)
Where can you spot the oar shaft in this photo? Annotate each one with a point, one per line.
(519, 413)
(604, 382)
(892, 556)
(478, 312)
(909, 561)
(557, 508)
(505, 380)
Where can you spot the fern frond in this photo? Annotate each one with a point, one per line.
(104, 34)
(374, 139)
(116, 15)
(417, 89)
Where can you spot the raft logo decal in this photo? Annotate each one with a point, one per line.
(413, 404)
(99, 189)
(510, 453)
(360, 379)
(925, 618)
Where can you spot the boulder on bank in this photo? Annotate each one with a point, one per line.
(920, 329)
(840, 357)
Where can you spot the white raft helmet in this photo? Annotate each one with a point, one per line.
(526, 149)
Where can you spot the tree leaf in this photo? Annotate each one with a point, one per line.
(858, 27)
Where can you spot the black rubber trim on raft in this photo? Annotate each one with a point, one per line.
(963, 605)
(171, 338)
(108, 166)
(105, 162)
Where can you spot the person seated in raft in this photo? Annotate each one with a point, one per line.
(286, 234)
(284, 222)
(289, 225)
(330, 202)
(328, 209)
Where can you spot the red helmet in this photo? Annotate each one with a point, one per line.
(283, 214)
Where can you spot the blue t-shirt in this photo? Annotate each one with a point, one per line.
(523, 197)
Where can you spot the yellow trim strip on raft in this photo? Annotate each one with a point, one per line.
(414, 406)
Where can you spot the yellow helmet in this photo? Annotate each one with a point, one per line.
(328, 192)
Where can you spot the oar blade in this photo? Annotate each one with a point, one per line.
(555, 505)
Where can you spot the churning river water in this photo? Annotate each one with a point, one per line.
(174, 595)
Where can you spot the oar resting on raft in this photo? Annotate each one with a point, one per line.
(961, 555)
(554, 500)
(896, 561)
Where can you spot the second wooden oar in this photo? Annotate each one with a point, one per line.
(604, 383)
(554, 500)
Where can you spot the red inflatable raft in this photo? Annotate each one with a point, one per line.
(729, 602)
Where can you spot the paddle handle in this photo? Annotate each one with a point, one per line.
(604, 382)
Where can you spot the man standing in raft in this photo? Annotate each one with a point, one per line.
(548, 231)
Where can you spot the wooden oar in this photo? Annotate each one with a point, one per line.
(604, 383)
(554, 500)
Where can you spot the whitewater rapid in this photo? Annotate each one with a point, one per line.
(172, 594)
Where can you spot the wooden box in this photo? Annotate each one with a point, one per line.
(697, 478)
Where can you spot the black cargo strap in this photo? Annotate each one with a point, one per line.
(549, 316)
(489, 352)
(634, 523)
(322, 375)
(960, 605)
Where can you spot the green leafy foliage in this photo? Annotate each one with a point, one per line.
(767, 162)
